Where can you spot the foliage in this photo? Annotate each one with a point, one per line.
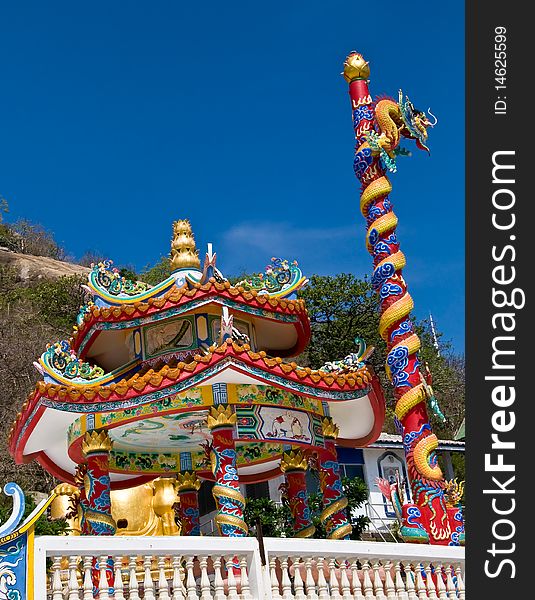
(9, 239)
(356, 492)
(43, 526)
(36, 240)
(4, 207)
(342, 307)
(91, 257)
(128, 273)
(54, 301)
(30, 316)
(158, 273)
(276, 519)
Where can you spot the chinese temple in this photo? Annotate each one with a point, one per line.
(192, 379)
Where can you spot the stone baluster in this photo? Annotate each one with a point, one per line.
(57, 588)
(103, 583)
(299, 586)
(148, 584)
(178, 586)
(72, 584)
(410, 577)
(285, 580)
(133, 586)
(206, 594)
(377, 582)
(401, 592)
(333, 581)
(389, 582)
(344, 582)
(420, 585)
(88, 581)
(219, 593)
(323, 590)
(245, 588)
(441, 587)
(118, 582)
(356, 583)
(460, 582)
(430, 584)
(232, 593)
(163, 586)
(191, 584)
(450, 584)
(366, 581)
(309, 581)
(275, 592)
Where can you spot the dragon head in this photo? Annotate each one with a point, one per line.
(415, 121)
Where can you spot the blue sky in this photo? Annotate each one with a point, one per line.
(117, 118)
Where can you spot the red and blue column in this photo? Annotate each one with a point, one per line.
(294, 465)
(229, 499)
(334, 513)
(97, 517)
(187, 487)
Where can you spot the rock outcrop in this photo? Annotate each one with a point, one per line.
(37, 268)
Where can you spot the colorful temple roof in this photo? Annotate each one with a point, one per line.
(146, 363)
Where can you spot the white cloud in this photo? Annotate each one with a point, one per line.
(250, 245)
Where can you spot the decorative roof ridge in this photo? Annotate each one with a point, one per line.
(170, 374)
(228, 348)
(177, 295)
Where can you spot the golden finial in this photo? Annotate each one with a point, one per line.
(187, 482)
(355, 67)
(330, 430)
(293, 460)
(96, 441)
(221, 415)
(184, 254)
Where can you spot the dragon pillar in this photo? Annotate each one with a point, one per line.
(230, 502)
(187, 486)
(96, 499)
(334, 514)
(378, 128)
(294, 465)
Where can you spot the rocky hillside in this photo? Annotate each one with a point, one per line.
(39, 301)
(32, 269)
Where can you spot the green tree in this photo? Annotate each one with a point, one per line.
(30, 316)
(157, 273)
(342, 307)
(43, 526)
(276, 519)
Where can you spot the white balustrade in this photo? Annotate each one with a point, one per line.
(215, 568)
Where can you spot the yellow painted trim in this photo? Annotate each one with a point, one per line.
(163, 286)
(232, 393)
(35, 517)
(29, 565)
(207, 395)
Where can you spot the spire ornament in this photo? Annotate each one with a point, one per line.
(184, 253)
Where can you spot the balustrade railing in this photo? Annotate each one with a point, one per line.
(215, 568)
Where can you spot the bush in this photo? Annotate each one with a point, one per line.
(36, 240)
(43, 526)
(276, 519)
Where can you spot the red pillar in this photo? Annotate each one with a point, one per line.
(97, 519)
(187, 487)
(229, 499)
(294, 466)
(334, 514)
